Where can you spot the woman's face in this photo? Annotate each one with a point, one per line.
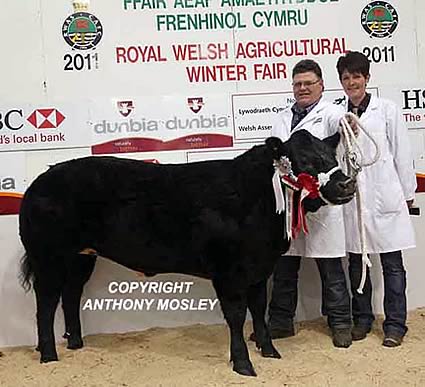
(354, 85)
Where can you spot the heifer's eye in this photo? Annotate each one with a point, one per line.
(305, 164)
(325, 162)
(304, 161)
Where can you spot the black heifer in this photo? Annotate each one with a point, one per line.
(213, 219)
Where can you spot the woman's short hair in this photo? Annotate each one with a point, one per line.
(353, 62)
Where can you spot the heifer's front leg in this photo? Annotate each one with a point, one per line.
(77, 274)
(257, 303)
(234, 305)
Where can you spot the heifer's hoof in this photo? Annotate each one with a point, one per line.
(244, 367)
(268, 350)
(341, 337)
(252, 337)
(47, 358)
(277, 333)
(75, 343)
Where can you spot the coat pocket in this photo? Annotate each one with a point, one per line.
(389, 198)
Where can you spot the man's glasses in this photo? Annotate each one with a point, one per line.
(306, 84)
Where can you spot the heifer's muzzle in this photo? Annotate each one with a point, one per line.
(338, 189)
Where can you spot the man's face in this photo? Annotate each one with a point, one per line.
(354, 85)
(307, 87)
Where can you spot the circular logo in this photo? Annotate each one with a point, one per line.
(379, 19)
(82, 31)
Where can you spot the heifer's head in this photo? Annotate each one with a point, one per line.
(311, 157)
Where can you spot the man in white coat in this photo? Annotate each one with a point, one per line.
(325, 239)
(387, 189)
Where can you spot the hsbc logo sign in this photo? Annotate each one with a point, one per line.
(46, 118)
(12, 119)
(413, 99)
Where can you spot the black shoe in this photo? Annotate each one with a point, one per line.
(341, 337)
(278, 333)
(359, 332)
(392, 340)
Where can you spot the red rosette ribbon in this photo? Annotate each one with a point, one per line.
(308, 183)
(307, 186)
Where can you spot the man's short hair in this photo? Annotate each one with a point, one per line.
(307, 65)
(353, 62)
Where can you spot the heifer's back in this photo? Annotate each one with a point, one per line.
(200, 218)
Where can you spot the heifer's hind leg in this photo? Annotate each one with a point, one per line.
(234, 305)
(78, 272)
(47, 291)
(257, 303)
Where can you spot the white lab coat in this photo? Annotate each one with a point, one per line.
(326, 237)
(385, 186)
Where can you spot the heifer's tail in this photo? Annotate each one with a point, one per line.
(26, 276)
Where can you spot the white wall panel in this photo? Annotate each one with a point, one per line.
(22, 51)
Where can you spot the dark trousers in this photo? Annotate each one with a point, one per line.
(395, 308)
(336, 299)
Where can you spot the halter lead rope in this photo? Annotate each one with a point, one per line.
(355, 156)
(355, 163)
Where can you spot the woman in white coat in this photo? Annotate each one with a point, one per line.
(387, 189)
(325, 240)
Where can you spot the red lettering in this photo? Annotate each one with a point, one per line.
(120, 54)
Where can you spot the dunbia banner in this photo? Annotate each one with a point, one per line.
(195, 76)
(12, 181)
(160, 123)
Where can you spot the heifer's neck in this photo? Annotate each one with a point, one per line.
(255, 169)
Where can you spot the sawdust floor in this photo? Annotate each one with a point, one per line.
(198, 356)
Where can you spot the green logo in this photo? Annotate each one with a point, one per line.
(379, 19)
(82, 31)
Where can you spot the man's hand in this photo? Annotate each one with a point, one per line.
(409, 203)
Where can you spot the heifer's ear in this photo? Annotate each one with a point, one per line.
(333, 140)
(274, 144)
